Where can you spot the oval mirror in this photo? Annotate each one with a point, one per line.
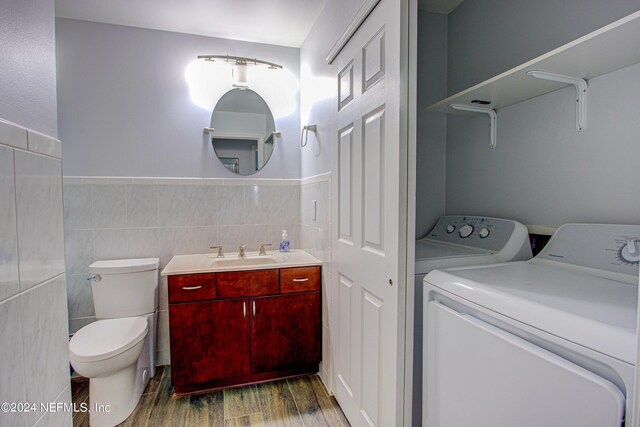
(243, 128)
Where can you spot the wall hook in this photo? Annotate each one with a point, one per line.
(581, 93)
(493, 119)
(305, 134)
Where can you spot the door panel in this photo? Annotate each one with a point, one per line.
(285, 332)
(209, 340)
(345, 170)
(368, 347)
(373, 180)
(371, 344)
(373, 59)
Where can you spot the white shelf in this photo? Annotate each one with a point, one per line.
(608, 49)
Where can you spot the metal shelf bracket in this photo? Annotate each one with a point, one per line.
(493, 119)
(581, 93)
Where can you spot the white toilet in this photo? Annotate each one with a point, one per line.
(117, 352)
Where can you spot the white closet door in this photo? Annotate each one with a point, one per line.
(367, 338)
(478, 375)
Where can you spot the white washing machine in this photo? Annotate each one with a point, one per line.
(546, 342)
(461, 241)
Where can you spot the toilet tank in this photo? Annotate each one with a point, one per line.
(124, 287)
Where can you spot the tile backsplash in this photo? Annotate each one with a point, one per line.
(111, 218)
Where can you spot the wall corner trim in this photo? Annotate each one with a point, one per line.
(346, 35)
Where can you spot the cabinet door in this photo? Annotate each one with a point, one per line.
(209, 340)
(285, 332)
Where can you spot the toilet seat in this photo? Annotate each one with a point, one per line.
(107, 338)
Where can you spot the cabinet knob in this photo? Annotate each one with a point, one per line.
(191, 288)
(305, 279)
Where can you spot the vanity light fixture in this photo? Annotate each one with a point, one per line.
(240, 65)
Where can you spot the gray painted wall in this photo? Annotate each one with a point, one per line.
(432, 127)
(27, 64)
(487, 37)
(125, 109)
(318, 87)
(545, 172)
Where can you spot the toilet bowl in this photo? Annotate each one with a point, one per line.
(107, 346)
(107, 352)
(117, 352)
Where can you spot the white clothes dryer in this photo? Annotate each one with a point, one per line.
(546, 342)
(460, 241)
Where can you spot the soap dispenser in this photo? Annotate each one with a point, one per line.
(285, 244)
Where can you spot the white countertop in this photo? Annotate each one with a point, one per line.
(209, 263)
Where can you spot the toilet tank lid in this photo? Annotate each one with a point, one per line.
(119, 266)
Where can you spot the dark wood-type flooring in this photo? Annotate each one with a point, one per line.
(295, 402)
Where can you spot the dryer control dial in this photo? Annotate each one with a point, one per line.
(484, 233)
(630, 252)
(450, 229)
(466, 230)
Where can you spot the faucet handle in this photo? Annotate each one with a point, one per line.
(262, 248)
(220, 252)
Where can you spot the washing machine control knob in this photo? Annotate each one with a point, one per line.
(631, 251)
(484, 233)
(466, 230)
(450, 229)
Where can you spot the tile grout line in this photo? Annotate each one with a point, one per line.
(18, 295)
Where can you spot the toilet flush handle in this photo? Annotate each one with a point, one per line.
(94, 278)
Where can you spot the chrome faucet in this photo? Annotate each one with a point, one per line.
(263, 251)
(241, 251)
(220, 252)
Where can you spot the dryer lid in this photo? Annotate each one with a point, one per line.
(107, 338)
(591, 311)
(429, 249)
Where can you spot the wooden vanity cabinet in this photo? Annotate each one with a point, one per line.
(208, 337)
(254, 327)
(285, 332)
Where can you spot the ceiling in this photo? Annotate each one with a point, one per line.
(439, 6)
(279, 22)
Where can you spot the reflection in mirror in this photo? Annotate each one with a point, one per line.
(243, 131)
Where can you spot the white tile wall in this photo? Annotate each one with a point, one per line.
(39, 215)
(45, 342)
(12, 384)
(110, 218)
(33, 291)
(8, 229)
(315, 238)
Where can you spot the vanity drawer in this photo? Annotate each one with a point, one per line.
(299, 279)
(233, 284)
(192, 287)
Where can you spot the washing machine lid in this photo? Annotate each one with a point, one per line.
(103, 339)
(594, 312)
(431, 255)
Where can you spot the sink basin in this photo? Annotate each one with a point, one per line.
(241, 262)
(210, 263)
